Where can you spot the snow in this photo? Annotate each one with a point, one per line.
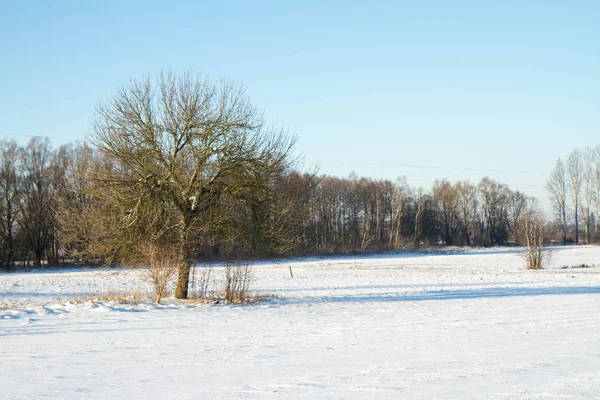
(445, 325)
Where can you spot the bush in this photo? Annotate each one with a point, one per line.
(161, 265)
(201, 277)
(238, 277)
(534, 240)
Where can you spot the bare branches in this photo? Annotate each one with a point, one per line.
(185, 152)
(575, 181)
(532, 234)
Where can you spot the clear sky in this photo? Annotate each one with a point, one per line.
(464, 88)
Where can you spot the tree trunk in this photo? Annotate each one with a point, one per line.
(564, 226)
(576, 226)
(183, 270)
(448, 234)
(37, 259)
(183, 281)
(11, 248)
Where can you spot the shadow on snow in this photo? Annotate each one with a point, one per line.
(444, 295)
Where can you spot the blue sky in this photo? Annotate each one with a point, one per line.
(464, 88)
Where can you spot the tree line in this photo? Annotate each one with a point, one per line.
(54, 206)
(360, 213)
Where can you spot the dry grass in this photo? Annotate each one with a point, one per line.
(219, 298)
(114, 297)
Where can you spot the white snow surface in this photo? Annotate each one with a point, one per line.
(450, 325)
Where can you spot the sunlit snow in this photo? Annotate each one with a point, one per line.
(449, 325)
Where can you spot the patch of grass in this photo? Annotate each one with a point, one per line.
(114, 297)
(220, 298)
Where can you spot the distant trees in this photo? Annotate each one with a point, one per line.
(116, 202)
(574, 190)
(358, 214)
(30, 188)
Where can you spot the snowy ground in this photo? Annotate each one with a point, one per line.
(468, 325)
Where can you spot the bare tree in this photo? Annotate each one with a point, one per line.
(36, 204)
(466, 194)
(596, 186)
(420, 204)
(588, 156)
(558, 191)
(517, 205)
(575, 175)
(494, 200)
(400, 196)
(74, 200)
(184, 154)
(445, 198)
(9, 200)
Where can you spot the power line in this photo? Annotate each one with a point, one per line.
(359, 163)
(430, 167)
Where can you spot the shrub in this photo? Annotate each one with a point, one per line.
(238, 277)
(201, 278)
(160, 267)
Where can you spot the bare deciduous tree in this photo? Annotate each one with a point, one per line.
(575, 180)
(36, 204)
(420, 204)
(184, 153)
(400, 197)
(9, 200)
(445, 198)
(558, 190)
(74, 201)
(467, 209)
(588, 155)
(596, 187)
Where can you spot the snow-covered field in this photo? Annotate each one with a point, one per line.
(464, 325)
